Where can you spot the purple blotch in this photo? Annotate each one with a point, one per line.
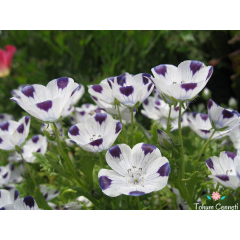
(97, 88)
(62, 82)
(39, 150)
(1, 140)
(115, 151)
(205, 131)
(121, 80)
(82, 113)
(45, 106)
(29, 201)
(227, 114)
(209, 73)
(16, 194)
(35, 138)
(97, 142)
(176, 109)
(136, 193)
(164, 170)
(209, 162)
(28, 91)
(73, 130)
(223, 177)
(20, 129)
(188, 86)
(161, 70)
(149, 86)
(195, 66)
(76, 89)
(4, 126)
(104, 182)
(231, 154)
(109, 83)
(27, 118)
(127, 90)
(146, 101)
(45, 195)
(145, 77)
(147, 148)
(210, 103)
(100, 117)
(157, 103)
(5, 175)
(94, 98)
(118, 127)
(204, 116)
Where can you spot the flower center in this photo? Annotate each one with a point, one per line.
(134, 176)
(229, 172)
(95, 137)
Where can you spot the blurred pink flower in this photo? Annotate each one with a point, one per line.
(216, 196)
(6, 60)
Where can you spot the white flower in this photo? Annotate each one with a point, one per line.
(77, 94)
(14, 133)
(181, 203)
(77, 205)
(48, 193)
(136, 171)
(27, 203)
(222, 119)
(235, 137)
(4, 175)
(5, 117)
(225, 169)
(8, 197)
(102, 94)
(48, 128)
(97, 134)
(37, 143)
(16, 92)
(132, 89)
(200, 124)
(48, 103)
(84, 112)
(181, 83)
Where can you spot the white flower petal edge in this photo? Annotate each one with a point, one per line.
(48, 193)
(136, 171)
(97, 134)
(8, 197)
(225, 169)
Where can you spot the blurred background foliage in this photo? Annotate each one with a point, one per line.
(90, 56)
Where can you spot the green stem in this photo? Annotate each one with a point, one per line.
(28, 169)
(204, 147)
(123, 128)
(217, 187)
(169, 118)
(138, 202)
(181, 141)
(132, 127)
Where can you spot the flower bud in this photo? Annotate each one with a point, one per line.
(232, 103)
(164, 140)
(206, 94)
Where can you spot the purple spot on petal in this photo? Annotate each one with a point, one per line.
(147, 148)
(45, 195)
(82, 113)
(35, 138)
(121, 80)
(164, 170)
(27, 118)
(73, 130)
(188, 86)
(39, 150)
(204, 116)
(5, 175)
(104, 182)
(227, 114)
(223, 177)
(176, 109)
(76, 89)
(136, 193)
(45, 106)
(1, 140)
(20, 129)
(180, 206)
(146, 101)
(209, 73)
(100, 117)
(94, 98)
(195, 66)
(157, 103)
(231, 154)
(205, 131)
(28, 91)
(194, 114)
(29, 201)
(4, 126)
(210, 103)
(1, 116)
(118, 127)
(149, 86)
(209, 162)
(16, 194)
(109, 83)
(161, 70)
(115, 151)
(97, 142)
(127, 90)
(62, 82)
(97, 88)
(145, 77)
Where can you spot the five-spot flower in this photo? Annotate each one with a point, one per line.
(13, 133)
(136, 171)
(97, 134)
(225, 169)
(6, 60)
(48, 103)
(181, 83)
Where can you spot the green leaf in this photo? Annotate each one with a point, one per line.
(41, 201)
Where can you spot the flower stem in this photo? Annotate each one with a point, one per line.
(204, 147)
(132, 127)
(123, 128)
(181, 141)
(168, 121)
